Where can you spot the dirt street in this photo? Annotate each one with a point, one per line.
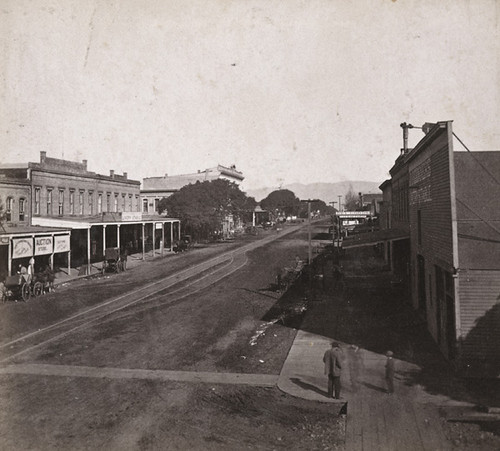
(222, 329)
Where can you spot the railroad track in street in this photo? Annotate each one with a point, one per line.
(168, 290)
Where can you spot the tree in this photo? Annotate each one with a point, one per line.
(317, 206)
(282, 201)
(202, 207)
(351, 200)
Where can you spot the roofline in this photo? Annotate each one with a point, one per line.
(428, 138)
(88, 175)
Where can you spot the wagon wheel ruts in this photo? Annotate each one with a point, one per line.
(26, 292)
(37, 289)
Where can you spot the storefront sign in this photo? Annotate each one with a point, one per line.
(131, 216)
(22, 247)
(43, 245)
(158, 225)
(61, 243)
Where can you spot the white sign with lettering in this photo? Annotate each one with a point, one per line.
(22, 247)
(131, 216)
(61, 243)
(43, 245)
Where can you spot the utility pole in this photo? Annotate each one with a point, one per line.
(332, 203)
(309, 232)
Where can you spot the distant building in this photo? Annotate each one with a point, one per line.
(441, 232)
(371, 202)
(156, 188)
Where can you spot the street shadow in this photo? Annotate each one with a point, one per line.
(307, 386)
(375, 315)
(374, 387)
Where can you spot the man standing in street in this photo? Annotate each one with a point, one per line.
(389, 372)
(333, 367)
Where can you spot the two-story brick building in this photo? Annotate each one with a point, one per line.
(100, 210)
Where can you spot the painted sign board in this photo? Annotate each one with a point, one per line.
(22, 247)
(44, 245)
(61, 243)
(131, 216)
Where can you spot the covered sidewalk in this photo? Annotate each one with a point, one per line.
(138, 234)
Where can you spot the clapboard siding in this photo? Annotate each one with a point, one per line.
(479, 293)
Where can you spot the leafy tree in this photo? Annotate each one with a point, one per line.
(282, 201)
(203, 206)
(351, 200)
(316, 206)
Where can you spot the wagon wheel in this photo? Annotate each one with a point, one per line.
(37, 289)
(26, 292)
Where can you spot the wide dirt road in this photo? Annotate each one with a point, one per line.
(190, 370)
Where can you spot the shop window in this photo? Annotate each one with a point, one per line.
(22, 209)
(9, 208)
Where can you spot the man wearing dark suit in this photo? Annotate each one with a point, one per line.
(333, 367)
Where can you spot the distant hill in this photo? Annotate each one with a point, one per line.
(327, 192)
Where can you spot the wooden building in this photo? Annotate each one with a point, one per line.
(442, 206)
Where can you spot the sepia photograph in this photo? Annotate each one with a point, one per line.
(250, 224)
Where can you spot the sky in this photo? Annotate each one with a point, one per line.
(290, 91)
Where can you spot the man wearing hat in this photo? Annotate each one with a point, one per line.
(333, 367)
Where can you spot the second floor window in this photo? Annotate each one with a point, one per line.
(99, 203)
(9, 208)
(91, 202)
(115, 206)
(80, 203)
(123, 202)
(144, 205)
(130, 202)
(71, 202)
(49, 202)
(108, 202)
(37, 201)
(22, 209)
(61, 202)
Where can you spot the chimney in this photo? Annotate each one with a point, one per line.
(112, 173)
(405, 128)
(125, 175)
(43, 155)
(84, 164)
